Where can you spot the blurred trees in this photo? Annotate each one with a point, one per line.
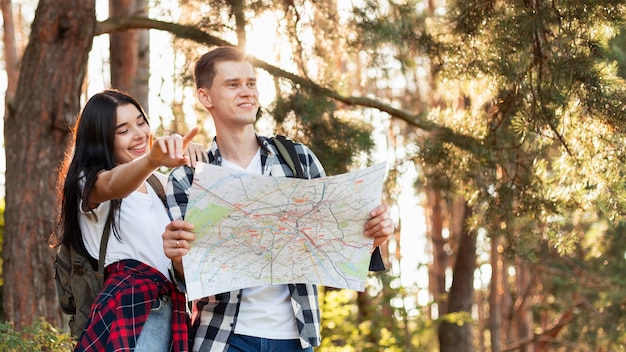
(511, 112)
(130, 52)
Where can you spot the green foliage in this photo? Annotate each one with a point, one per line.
(313, 120)
(600, 282)
(396, 24)
(618, 52)
(543, 99)
(350, 327)
(39, 336)
(580, 293)
(457, 318)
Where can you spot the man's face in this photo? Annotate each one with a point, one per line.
(233, 97)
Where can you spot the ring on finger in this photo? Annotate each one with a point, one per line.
(177, 243)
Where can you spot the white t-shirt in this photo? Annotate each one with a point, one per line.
(141, 223)
(264, 311)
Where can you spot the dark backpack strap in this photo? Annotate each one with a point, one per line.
(157, 186)
(104, 241)
(288, 151)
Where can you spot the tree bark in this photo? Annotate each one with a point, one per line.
(495, 295)
(452, 336)
(522, 311)
(437, 275)
(11, 57)
(46, 104)
(237, 7)
(130, 52)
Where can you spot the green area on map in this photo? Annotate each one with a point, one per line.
(202, 219)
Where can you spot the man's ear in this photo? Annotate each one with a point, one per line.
(204, 98)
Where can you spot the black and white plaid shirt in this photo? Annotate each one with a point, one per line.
(214, 317)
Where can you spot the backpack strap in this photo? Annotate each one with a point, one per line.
(157, 186)
(104, 241)
(287, 150)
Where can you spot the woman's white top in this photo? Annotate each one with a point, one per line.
(264, 311)
(141, 223)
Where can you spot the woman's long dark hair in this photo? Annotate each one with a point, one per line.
(92, 152)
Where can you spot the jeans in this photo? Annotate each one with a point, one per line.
(156, 334)
(242, 343)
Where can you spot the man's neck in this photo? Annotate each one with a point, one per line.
(238, 147)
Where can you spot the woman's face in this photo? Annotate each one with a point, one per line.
(132, 134)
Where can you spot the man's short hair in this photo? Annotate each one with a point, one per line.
(205, 72)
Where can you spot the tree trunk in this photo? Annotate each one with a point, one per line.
(238, 8)
(523, 312)
(452, 336)
(47, 101)
(11, 57)
(437, 275)
(130, 52)
(495, 294)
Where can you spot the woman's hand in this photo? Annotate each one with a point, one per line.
(170, 150)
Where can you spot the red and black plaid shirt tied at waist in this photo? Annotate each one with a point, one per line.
(116, 326)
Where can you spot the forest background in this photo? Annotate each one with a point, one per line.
(507, 118)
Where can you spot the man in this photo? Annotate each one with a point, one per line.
(278, 317)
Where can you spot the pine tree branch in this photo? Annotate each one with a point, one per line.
(418, 120)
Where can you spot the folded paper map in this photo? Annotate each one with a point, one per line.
(254, 230)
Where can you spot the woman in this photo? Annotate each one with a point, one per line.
(138, 309)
